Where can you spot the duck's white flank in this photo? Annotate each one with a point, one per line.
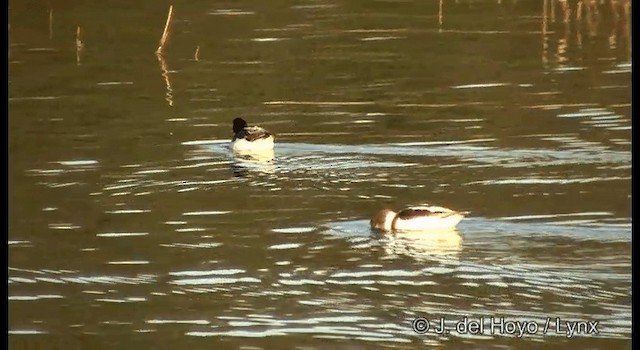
(259, 145)
(250, 139)
(420, 218)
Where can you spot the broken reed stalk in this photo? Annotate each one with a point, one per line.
(545, 6)
(50, 23)
(79, 45)
(165, 34)
(78, 39)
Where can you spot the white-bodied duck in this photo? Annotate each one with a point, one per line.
(250, 139)
(418, 218)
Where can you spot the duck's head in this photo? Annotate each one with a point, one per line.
(383, 220)
(238, 125)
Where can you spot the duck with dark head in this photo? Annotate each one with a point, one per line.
(250, 138)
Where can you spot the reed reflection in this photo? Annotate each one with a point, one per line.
(585, 18)
(165, 75)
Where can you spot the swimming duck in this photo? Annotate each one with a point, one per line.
(250, 138)
(418, 218)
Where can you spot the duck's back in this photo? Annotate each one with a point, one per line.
(255, 133)
(252, 138)
(413, 212)
(426, 218)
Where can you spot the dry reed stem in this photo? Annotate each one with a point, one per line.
(165, 33)
(50, 24)
(79, 44)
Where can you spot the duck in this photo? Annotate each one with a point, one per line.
(417, 218)
(250, 139)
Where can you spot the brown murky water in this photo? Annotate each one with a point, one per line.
(131, 225)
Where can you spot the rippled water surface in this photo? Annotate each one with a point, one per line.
(132, 226)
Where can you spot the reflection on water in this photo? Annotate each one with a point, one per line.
(584, 18)
(245, 162)
(167, 80)
(446, 243)
(145, 222)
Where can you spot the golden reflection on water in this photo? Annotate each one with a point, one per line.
(166, 76)
(424, 245)
(610, 18)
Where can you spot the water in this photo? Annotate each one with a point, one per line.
(131, 225)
